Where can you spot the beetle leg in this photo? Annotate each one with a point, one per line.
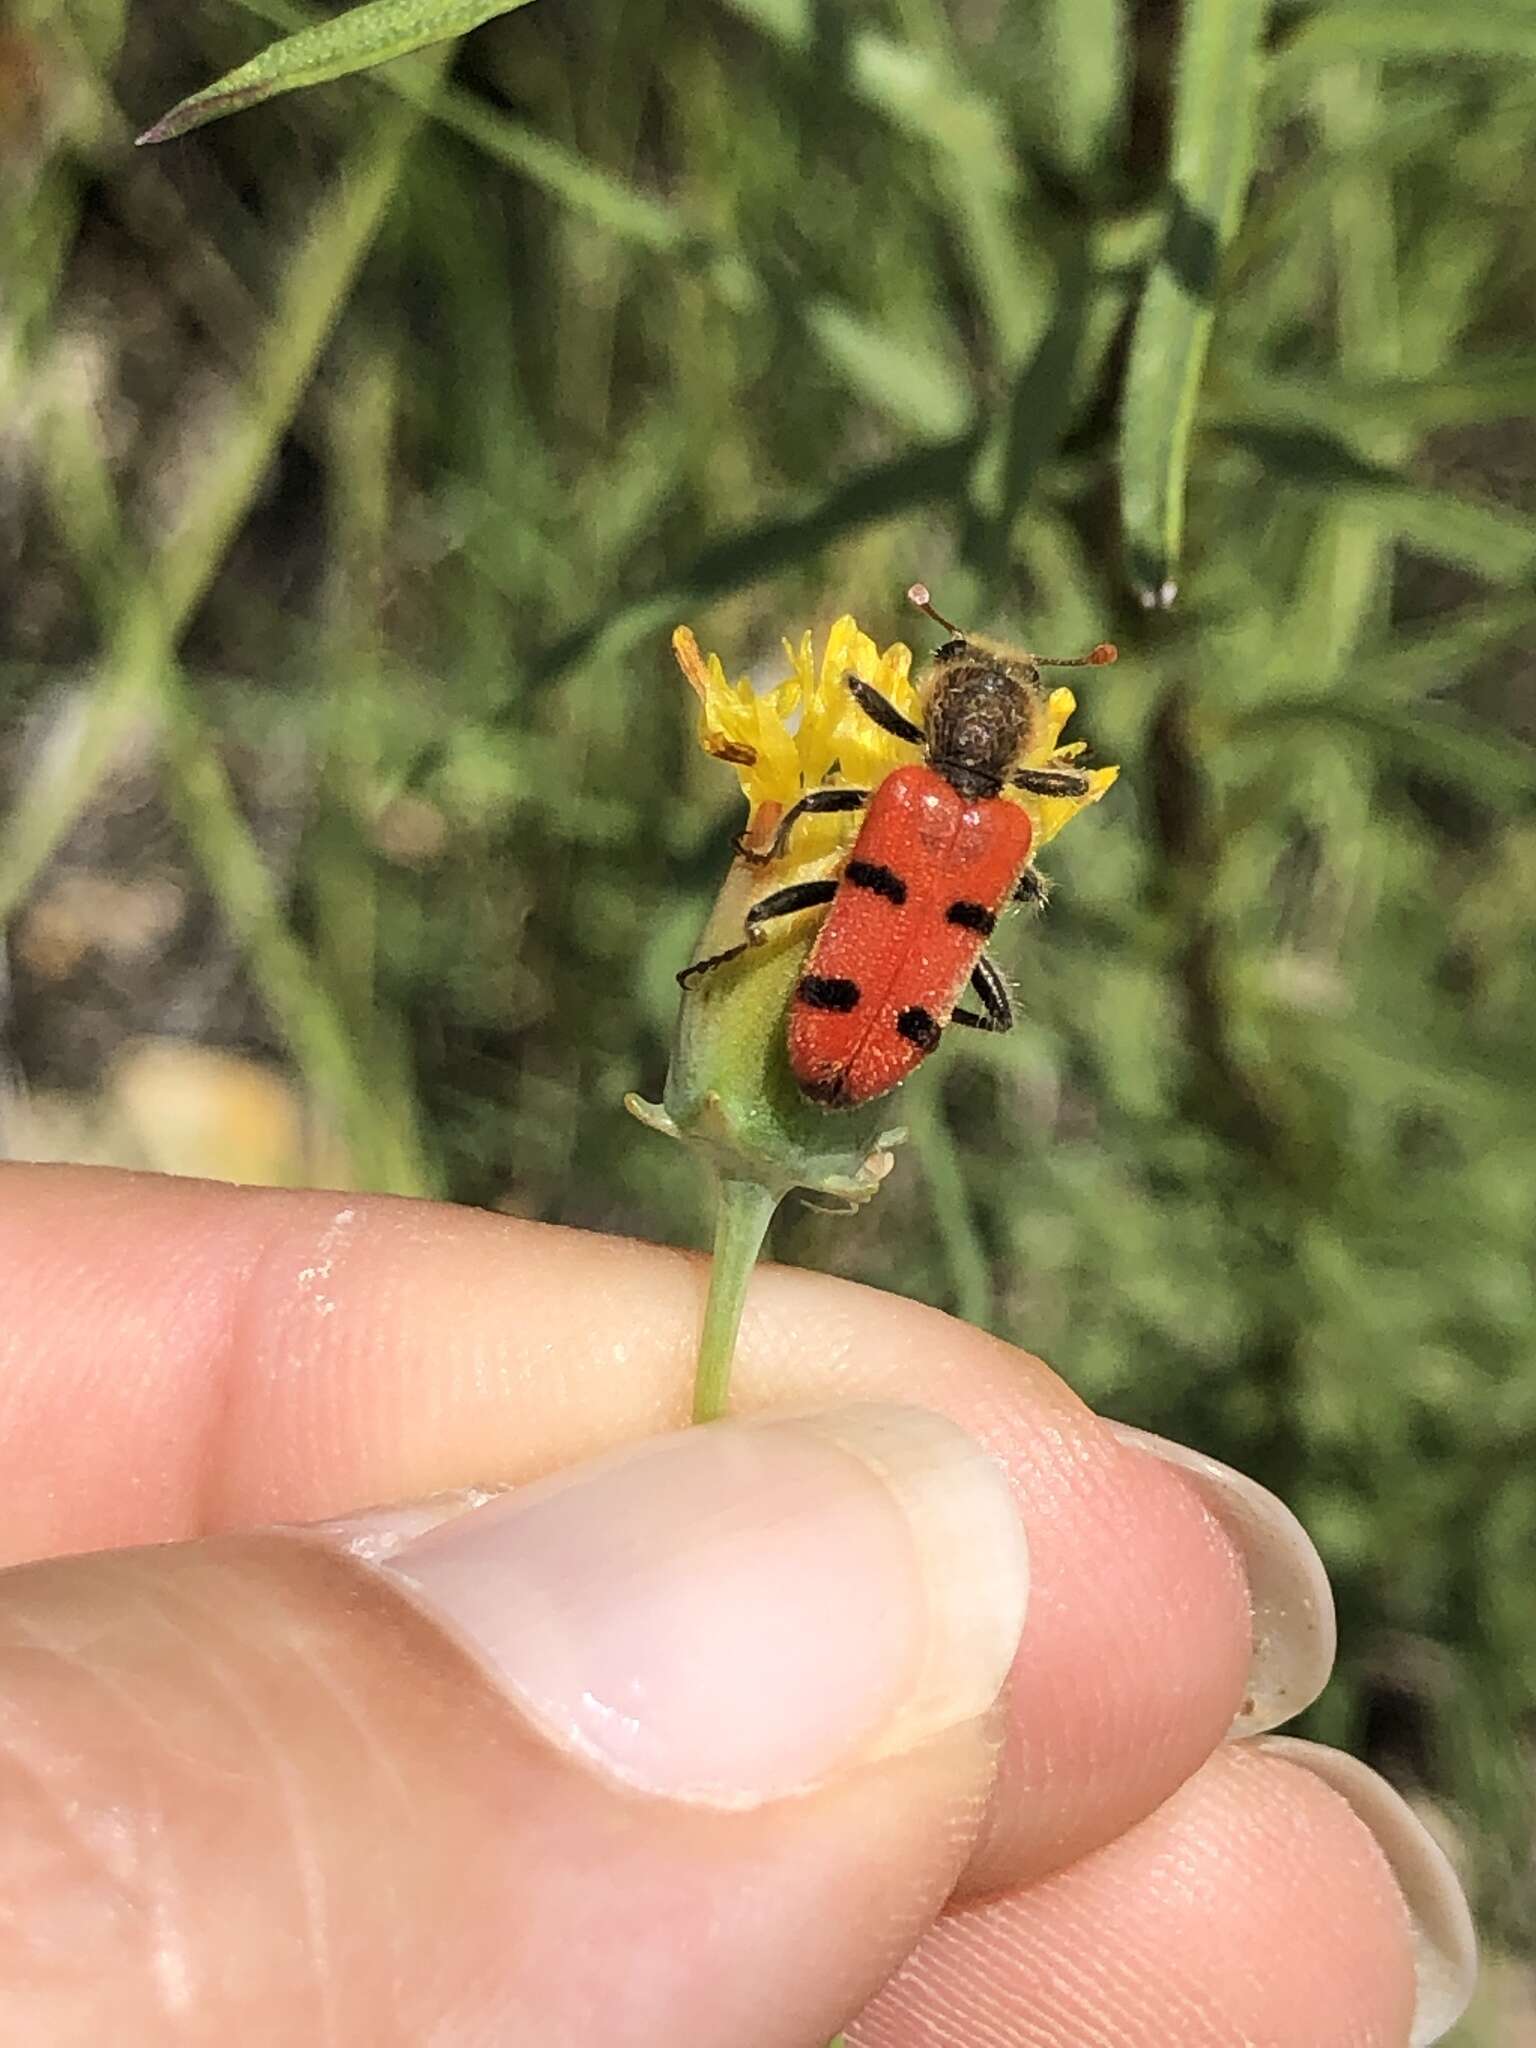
(997, 1010)
(1032, 890)
(883, 711)
(816, 803)
(776, 904)
(1051, 781)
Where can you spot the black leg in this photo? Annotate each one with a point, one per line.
(1051, 781)
(1033, 890)
(777, 903)
(817, 803)
(883, 711)
(993, 990)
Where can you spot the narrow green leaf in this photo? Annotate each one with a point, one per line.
(1406, 128)
(1415, 665)
(881, 492)
(789, 22)
(989, 196)
(1039, 409)
(1343, 587)
(1078, 65)
(1492, 29)
(1448, 746)
(1213, 129)
(1492, 541)
(575, 181)
(1357, 409)
(354, 41)
(923, 97)
(141, 645)
(907, 380)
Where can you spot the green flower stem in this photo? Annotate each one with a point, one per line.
(741, 1222)
(730, 1095)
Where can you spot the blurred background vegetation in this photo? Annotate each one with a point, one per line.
(357, 456)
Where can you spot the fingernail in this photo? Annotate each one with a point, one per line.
(736, 1612)
(1444, 1944)
(378, 1534)
(1294, 1636)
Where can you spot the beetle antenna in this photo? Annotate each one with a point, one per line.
(918, 594)
(1101, 657)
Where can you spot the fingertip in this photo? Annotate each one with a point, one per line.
(1250, 1906)
(1444, 1940)
(1134, 1662)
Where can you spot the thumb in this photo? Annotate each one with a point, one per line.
(685, 1744)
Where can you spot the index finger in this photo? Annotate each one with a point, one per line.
(187, 1357)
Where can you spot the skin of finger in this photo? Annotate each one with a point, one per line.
(1253, 1906)
(259, 1356)
(250, 1794)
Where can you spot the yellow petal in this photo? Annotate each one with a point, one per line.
(807, 729)
(723, 730)
(893, 678)
(1050, 813)
(847, 650)
(867, 751)
(1059, 707)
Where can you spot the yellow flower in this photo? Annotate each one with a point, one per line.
(1049, 813)
(834, 732)
(747, 727)
(807, 730)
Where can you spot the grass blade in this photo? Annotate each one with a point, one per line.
(1343, 589)
(1402, 29)
(882, 492)
(575, 181)
(1213, 130)
(1356, 408)
(1448, 746)
(314, 288)
(900, 375)
(1496, 542)
(1077, 52)
(1039, 408)
(354, 41)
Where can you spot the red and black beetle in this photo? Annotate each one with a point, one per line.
(941, 851)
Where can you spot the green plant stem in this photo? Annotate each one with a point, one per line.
(142, 642)
(741, 1222)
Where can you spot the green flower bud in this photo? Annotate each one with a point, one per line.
(729, 1091)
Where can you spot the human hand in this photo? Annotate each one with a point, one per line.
(697, 1744)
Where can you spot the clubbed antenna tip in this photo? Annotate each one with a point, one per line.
(1101, 657)
(918, 593)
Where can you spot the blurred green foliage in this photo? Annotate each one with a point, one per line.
(405, 417)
